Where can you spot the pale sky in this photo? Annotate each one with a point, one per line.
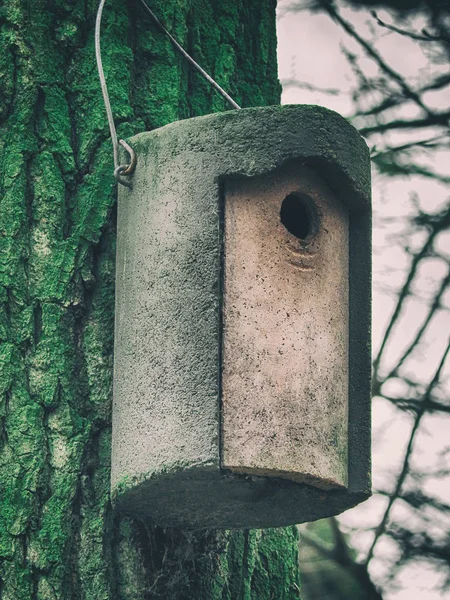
(309, 51)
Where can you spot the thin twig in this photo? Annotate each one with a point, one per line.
(407, 91)
(405, 468)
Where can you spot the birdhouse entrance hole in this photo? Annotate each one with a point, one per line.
(297, 214)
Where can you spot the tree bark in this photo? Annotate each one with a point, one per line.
(59, 537)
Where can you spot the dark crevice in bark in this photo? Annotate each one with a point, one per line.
(3, 429)
(8, 111)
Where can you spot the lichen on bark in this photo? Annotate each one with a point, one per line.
(59, 538)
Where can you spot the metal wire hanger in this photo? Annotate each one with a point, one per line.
(121, 171)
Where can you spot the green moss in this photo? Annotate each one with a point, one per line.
(58, 539)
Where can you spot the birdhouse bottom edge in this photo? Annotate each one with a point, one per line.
(209, 498)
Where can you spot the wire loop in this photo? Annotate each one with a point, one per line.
(129, 169)
(118, 176)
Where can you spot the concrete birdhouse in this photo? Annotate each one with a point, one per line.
(242, 347)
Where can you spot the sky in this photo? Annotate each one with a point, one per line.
(309, 51)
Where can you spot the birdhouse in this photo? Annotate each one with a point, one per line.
(242, 342)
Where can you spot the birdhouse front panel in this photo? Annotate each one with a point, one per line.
(285, 339)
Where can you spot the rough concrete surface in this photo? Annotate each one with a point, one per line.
(166, 461)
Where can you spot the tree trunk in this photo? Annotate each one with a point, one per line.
(59, 538)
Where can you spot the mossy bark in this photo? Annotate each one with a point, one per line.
(59, 538)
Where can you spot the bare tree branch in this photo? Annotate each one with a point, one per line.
(370, 51)
(424, 37)
(340, 554)
(405, 468)
(438, 119)
(303, 85)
